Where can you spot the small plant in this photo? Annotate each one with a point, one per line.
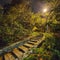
(31, 57)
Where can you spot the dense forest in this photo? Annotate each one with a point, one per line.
(18, 20)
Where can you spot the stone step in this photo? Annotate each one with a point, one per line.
(32, 42)
(25, 49)
(29, 45)
(18, 53)
(9, 56)
(1, 58)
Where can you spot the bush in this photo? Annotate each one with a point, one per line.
(49, 40)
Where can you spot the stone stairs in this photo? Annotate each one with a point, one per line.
(21, 51)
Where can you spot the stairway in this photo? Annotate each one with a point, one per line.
(19, 52)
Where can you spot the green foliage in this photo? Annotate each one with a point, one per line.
(49, 41)
(19, 21)
(38, 50)
(11, 28)
(34, 33)
(55, 26)
(50, 44)
(31, 57)
(48, 50)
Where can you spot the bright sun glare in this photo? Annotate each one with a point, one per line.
(45, 10)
